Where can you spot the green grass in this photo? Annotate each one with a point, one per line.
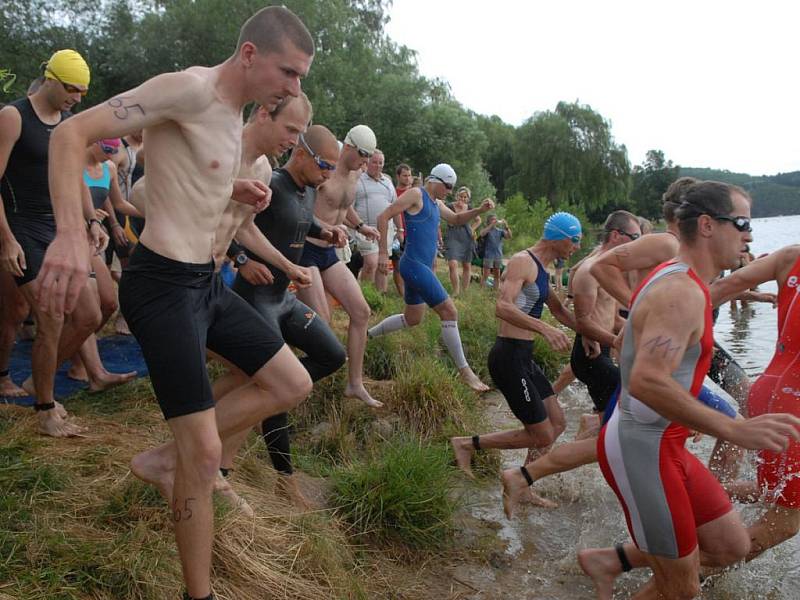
(403, 493)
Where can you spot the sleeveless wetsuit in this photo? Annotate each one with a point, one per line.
(285, 223)
(26, 190)
(511, 365)
(665, 491)
(99, 187)
(421, 284)
(777, 390)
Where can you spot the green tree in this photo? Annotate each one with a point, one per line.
(650, 180)
(498, 157)
(569, 155)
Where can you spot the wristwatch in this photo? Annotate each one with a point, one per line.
(241, 259)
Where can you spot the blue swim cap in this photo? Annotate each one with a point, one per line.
(560, 226)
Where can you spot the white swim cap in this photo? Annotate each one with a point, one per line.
(444, 173)
(363, 138)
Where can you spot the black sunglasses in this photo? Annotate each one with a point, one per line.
(741, 223)
(322, 164)
(68, 87)
(632, 236)
(447, 186)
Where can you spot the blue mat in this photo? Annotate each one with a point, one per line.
(120, 354)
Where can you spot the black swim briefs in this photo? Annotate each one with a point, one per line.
(176, 310)
(600, 374)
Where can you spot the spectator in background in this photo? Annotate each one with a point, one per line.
(374, 193)
(494, 232)
(459, 243)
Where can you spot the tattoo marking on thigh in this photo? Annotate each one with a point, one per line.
(183, 514)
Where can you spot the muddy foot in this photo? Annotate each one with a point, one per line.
(287, 487)
(78, 373)
(535, 499)
(589, 426)
(150, 467)
(9, 389)
(110, 380)
(121, 326)
(225, 490)
(53, 424)
(360, 392)
(473, 381)
(602, 566)
(515, 490)
(463, 449)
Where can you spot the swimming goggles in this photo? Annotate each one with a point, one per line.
(322, 164)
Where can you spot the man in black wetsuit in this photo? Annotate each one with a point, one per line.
(27, 225)
(286, 222)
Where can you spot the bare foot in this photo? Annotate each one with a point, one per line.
(151, 467)
(602, 565)
(360, 392)
(515, 489)
(463, 449)
(110, 380)
(589, 427)
(121, 326)
(287, 487)
(27, 385)
(472, 380)
(78, 373)
(9, 389)
(54, 425)
(537, 500)
(223, 487)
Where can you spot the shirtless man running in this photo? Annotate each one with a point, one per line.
(334, 206)
(171, 299)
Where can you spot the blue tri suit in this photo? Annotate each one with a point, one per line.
(421, 284)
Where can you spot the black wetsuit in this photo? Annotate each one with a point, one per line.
(26, 190)
(286, 222)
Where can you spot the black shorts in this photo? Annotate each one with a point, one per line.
(34, 234)
(176, 310)
(317, 256)
(600, 374)
(298, 325)
(520, 380)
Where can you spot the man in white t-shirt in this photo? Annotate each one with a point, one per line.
(374, 192)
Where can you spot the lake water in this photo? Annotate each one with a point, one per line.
(540, 545)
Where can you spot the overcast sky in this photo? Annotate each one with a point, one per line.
(711, 83)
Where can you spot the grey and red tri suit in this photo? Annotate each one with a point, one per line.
(665, 491)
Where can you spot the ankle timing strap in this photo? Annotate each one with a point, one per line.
(526, 475)
(186, 596)
(476, 442)
(623, 560)
(3, 373)
(225, 472)
(41, 407)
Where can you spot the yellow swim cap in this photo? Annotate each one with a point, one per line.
(69, 67)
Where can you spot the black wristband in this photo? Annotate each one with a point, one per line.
(623, 560)
(42, 407)
(89, 224)
(234, 249)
